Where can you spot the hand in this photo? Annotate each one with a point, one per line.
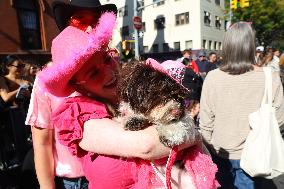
(23, 91)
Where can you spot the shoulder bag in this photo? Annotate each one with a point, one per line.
(263, 153)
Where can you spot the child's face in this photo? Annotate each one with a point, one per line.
(99, 76)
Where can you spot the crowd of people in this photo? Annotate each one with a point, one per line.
(91, 122)
(16, 83)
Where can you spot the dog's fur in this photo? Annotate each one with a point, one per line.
(150, 97)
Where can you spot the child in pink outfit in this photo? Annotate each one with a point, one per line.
(73, 62)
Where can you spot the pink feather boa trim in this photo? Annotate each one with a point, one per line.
(55, 78)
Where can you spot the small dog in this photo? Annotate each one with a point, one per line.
(150, 97)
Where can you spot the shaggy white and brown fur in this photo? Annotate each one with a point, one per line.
(149, 97)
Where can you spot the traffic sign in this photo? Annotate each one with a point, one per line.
(137, 22)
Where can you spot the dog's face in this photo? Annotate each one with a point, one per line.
(173, 124)
(166, 113)
(163, 114)
(149, 97)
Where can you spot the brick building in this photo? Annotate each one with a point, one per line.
(27, 29)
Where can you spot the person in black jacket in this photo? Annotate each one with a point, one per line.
(193, 82)
(202, 63)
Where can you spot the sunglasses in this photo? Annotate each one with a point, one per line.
(83, 21)
(18, 66)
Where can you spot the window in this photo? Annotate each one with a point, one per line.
(217, 22)
(210, 45)
(28, 19)
(143, 27)
(155, 48)
(159, 23)
(220, 46)
(217, 2)
(207, 18)
(177, 46)
(166, 47)
(29, 29)
(182, 18)
(159, 2)
(226, 24)
(204, 44)
(215, 45)
(145, 49)
(189, 44)
(124, 31)
(123, 11)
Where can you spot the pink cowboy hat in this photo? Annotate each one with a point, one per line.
(70, 50)
(174, 69)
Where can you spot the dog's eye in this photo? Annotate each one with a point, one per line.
(173, 120)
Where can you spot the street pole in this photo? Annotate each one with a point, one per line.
(136, 32)
(230, 15)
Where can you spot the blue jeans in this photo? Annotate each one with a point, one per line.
(74, 183)
(231, 176)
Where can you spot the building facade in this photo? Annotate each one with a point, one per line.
(169, 26)
(27, 29)
(172, 25)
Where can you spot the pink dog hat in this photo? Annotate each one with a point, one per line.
(174, 69)
(70, 50)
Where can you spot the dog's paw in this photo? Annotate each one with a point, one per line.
(167, 142)
(135, 123)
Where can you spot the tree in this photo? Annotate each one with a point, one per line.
(267, 17)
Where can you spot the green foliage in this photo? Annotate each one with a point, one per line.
(267, 17)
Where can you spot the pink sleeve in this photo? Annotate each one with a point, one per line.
(70, 117)
(39, 112)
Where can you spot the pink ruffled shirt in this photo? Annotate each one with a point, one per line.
(100, 170)
(41, 106)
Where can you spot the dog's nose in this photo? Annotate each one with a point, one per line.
(176, 113)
